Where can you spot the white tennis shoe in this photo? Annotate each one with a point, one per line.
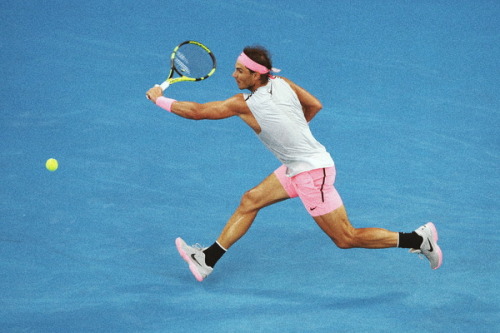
(429, 247)
(195, 258)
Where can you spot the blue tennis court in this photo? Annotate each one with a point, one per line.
(411, 117)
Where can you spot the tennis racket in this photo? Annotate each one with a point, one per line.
(192, 61)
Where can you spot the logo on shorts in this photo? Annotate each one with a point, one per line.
(313, 208)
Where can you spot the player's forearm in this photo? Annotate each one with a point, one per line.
(310, 104)
(311, 110)
(188, 110)
(196, 111)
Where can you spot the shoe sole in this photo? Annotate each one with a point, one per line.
(192, 267)
(435, 236)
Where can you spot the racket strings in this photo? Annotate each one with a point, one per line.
(193, 61)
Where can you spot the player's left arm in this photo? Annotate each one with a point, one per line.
(198, 111)
(310, 104)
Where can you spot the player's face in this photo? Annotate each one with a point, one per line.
(244, 78)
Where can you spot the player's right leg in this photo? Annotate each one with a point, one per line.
(268, 192)
(201, 261)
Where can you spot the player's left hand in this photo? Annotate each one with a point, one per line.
(153, 93)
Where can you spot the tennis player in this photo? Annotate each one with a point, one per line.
(279, 111)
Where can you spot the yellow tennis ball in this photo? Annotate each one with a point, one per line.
(51, 164)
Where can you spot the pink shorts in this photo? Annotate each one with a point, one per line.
(315, 189)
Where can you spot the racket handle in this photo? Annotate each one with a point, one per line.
(164, 85)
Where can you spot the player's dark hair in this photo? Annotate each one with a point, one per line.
(260, 55)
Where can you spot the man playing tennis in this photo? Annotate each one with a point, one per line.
(279, 111)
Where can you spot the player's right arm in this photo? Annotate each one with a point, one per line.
(310, 104)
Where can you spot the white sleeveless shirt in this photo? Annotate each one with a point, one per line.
(284, 129)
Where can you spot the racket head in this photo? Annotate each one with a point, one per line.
(192, 61)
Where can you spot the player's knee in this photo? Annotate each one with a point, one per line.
(343, 244)
(250, 200)
(344, 241)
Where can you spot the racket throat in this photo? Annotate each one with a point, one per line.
(165, 85)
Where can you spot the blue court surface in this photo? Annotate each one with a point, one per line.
(411, 117)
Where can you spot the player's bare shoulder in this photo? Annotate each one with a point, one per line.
(238, 103)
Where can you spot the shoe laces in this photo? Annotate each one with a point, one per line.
(198, 246)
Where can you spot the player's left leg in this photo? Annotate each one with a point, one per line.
(318, 194)
(337, 226)
(422, 241)
(321, 199)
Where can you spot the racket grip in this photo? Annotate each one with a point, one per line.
(164, 85)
